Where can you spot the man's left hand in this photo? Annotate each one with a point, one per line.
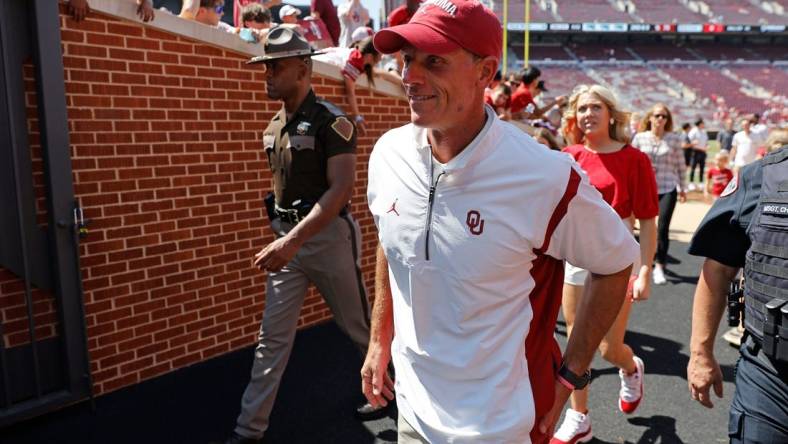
(682, 197)
(276, 254)
(548, 421)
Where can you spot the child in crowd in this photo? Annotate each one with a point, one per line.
(546, 138)
(255, 22)
(255, 16)
(718, 177)
(499, 98)
(288, 14)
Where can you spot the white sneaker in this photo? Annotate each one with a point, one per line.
(691, 186)
(631, 388)
(734, 336)
(575, 428)
(658, 276)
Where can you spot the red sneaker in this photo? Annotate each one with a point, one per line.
(575, 428)
(631, 388)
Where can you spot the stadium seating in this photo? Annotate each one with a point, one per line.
(772, 79)
(711, 83)
(542, 52)
(666, 11)
(540, 12)
(600, 51)
(661, 51)
(590, 11)
(770, 52)
(715, 51)
(561, 80)
(695, 75)
(639, 87)
(739, 12)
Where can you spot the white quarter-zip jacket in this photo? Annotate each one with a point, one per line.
(475, 253)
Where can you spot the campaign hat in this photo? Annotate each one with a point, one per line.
(283, 42)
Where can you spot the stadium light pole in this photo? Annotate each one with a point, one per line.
(505, 34)
(527, 32)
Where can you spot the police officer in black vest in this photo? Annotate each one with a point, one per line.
(747, 227)
(311, 148)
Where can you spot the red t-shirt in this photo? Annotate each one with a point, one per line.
(521, 98)
(400, 16)
(719, 179)
(625, 178)
(354, 65)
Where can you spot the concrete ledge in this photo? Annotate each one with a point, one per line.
(127, 10)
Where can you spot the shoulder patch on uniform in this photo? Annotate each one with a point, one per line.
(333, 109)
(343, 127)
(733, 185)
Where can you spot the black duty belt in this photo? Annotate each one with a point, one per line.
(294, 216)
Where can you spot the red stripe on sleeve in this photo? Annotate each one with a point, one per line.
(560, 209)
(542, 354)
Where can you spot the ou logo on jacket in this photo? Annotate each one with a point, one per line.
(475, 222)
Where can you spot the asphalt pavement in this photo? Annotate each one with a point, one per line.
(320, 390)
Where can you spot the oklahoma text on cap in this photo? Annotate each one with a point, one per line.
(441, 26)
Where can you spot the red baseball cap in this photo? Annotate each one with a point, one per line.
(441, 26)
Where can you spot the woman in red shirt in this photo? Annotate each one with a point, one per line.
(598, 133)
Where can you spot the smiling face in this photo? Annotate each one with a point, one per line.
(593, 116)
(442, 90)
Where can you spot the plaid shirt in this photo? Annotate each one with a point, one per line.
(667, 159)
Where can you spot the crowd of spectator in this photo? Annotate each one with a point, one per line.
(344, 34)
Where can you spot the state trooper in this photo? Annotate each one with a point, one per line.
(747, 227)
(311, 148)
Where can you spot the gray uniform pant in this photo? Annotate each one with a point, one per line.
(330, 260)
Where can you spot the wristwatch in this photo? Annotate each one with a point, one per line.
(571, 380)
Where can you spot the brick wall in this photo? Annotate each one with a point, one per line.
(165, 141)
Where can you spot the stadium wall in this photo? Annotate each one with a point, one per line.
(165, 130)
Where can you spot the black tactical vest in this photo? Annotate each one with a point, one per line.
(766, 265)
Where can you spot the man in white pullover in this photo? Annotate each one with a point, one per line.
(475, 219)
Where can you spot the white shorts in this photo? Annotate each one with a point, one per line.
(574, 275)
(577, 276)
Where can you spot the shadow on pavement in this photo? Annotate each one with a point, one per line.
(659, 429)
(196, 405)
(675, 278)
(653, 350)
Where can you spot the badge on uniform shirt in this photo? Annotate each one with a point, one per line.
(732, 186)
(343, 127)
(303, 128)
(268, 140)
